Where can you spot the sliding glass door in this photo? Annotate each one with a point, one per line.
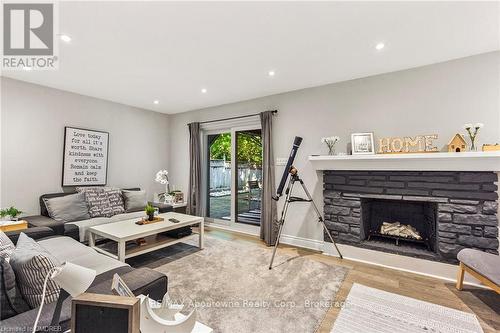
(219, 176)
(233, 176)
(249, 176)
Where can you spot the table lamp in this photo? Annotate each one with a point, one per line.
(73, 280)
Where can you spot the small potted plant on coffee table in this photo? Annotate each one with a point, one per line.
(13, 212)
(150, 212)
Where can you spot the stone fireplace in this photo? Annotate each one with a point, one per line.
(448, 210)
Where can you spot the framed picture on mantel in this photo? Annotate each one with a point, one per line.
(362, 144)
(85, 160)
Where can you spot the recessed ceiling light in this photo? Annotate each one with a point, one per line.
(380, 46)
(26, 68)
(156, 101)
(203, 90)
(65, 38)
(271, 73)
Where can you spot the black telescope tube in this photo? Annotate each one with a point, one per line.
(296, 143)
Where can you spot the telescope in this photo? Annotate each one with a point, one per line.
(288, 169)
(294, 178)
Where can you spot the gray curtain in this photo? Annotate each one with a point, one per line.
(268, 223)
(194, 192)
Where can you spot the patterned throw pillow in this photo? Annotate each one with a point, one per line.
(31, 264)
(116, 201)
(6, 246)
(99, 205)
(103, 201)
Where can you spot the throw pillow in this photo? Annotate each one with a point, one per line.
(11, 300)
(134, 200)
(116, 201)
(68, 208)
(31, 264)
(6, 246)
(98, 201)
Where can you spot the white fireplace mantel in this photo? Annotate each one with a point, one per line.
(466, 161)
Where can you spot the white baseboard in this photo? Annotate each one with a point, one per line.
(306, 243)
(424, 267)
(243, 229)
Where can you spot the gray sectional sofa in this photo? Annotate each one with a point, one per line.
(141, 281)
(63, 239)
(78, 229)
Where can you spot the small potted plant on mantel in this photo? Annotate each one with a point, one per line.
(12, 212)
(150, 211)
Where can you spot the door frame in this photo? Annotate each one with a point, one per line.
(228, 126)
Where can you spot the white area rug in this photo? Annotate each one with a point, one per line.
(237, 293)
(375, 311)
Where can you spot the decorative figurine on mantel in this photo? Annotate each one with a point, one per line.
(472, 130)
(331, 141)
(457, 144)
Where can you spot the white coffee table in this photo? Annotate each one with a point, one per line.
(127, 230)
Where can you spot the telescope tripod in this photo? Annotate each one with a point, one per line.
(290, 199)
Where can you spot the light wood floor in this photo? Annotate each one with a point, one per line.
(408, 284)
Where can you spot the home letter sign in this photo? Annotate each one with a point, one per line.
(418, 144)
(85, 157)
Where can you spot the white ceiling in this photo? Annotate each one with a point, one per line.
(136, 52)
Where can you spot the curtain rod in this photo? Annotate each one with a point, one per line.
(231, 118)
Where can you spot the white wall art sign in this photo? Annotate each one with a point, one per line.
(85, 157)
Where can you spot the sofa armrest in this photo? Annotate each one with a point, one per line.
(35, 233)
(164, 208)
(44, 221)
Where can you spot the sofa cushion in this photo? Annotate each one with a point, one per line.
(134, 200)
(98, 201)
(67, 249)
(6, 246)
(116, 201)
(68, 208)
(83, 226)
(11, 301)
(44, 221)
(31, 264)
(484, 263)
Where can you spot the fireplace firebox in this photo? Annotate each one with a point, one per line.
(387, 220)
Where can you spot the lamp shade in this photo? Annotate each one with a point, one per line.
(73, 278)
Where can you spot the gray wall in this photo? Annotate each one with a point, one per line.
(32, 135)
(438, 99)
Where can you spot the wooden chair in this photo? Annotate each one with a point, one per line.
(483, 266)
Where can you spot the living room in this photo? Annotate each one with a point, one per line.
(268, 166)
